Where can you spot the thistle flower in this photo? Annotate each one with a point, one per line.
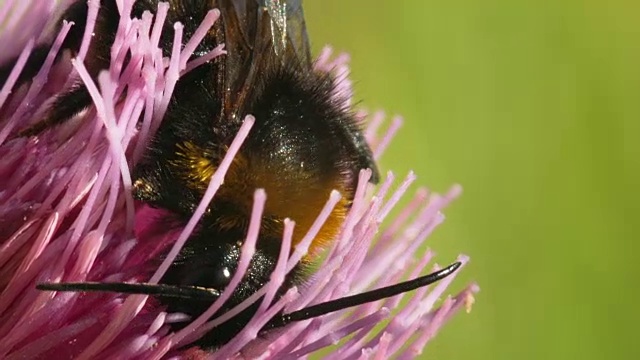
(67, 214)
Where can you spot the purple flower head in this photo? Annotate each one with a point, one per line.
(67, 214)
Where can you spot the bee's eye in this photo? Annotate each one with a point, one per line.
(221, 277)
(207, 266)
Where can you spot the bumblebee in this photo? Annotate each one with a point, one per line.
(304, 144)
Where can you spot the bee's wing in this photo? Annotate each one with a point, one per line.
(275, 25)
(258, 34)
(289, 36)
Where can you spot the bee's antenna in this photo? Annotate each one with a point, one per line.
(362, 298)
(164, 290)
(202, 293)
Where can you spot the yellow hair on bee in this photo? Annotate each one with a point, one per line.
(285, 197)
(195, 164)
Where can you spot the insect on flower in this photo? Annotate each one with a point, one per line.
(304, 144)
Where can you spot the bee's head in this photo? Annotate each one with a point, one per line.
(210, 261)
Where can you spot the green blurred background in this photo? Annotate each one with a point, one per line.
(534, 107)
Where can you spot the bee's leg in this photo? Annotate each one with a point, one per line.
(74, 100)
(63, 108)
(76, 13)
(31, 67)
